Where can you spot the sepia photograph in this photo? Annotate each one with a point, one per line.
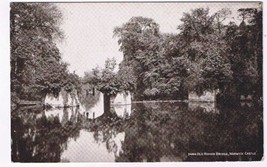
(136, 81)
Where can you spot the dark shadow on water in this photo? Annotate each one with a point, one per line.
(163, 132)
(37, 138)
(153, 132)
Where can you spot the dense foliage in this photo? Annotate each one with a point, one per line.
(36, 64)
(208, 53)
(104, 80)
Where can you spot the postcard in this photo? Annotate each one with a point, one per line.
(136, 81)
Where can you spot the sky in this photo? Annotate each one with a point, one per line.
(88, 27)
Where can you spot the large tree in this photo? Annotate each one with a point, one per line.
(105, 80)
(245, 52)
(139, 42)
(208, 53)
(36, 65)
(204, 46)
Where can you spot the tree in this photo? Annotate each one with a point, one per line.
(36, 65)
(247, 13)
(151, 55)
(139, 42)
(245, 52)
(72, 82)
(220, 17)
(206, 48)
(256, 25)
(207, 54)
(105, 80)
(196, 24)
(126, 77)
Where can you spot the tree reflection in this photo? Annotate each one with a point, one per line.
(153, 132)
(234, 130)
(164, 132)
(108, 129)
(149, 134)
(40, 139)
(88, 101)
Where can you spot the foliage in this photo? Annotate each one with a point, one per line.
(206, 54)
(72, 82)
(126, 77)
(36, 63)
(245, 52)
(139, 40)
(104, 80)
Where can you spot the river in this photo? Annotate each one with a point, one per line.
(137, 132)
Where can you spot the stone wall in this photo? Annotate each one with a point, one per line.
(122, 98)
(64, 99)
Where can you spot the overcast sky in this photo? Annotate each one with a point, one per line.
(88, 27)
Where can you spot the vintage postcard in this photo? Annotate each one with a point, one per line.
(136, 82)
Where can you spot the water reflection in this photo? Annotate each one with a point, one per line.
(163, 132)
(87, 149)
(205, 107)
(39, 139)
(92, 106)
(123, 111)
(142, 133)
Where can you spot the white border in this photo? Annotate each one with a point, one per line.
(5, 143)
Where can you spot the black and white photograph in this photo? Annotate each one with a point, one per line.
(136, 81)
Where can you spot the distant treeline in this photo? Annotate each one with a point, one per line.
(209, 52)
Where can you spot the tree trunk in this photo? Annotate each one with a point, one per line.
(93, 91)
(106, 103)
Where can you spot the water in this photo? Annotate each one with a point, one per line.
(140, 132)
